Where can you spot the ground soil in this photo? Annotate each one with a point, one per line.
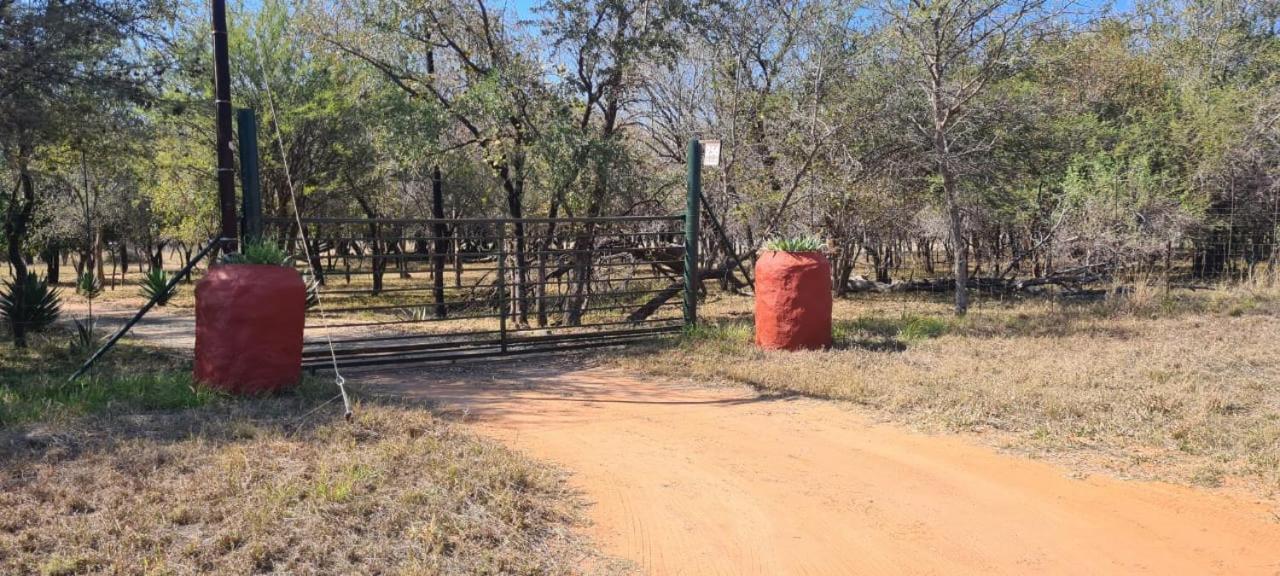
(695, 480)
(692, 479)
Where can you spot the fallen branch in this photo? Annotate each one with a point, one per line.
(648, 308)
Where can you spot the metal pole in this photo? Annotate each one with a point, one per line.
(222, 103)
(250, 186)
(692, 196)
(502, 285)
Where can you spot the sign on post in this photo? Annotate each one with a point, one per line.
(711, 153)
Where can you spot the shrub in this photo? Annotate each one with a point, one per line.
(155, 286)
(923, 327)
(30, 305)
(797, 244)
(416, 313)
(85, 338)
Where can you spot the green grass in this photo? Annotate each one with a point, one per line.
(34, 385)
(734, 335)
(906, 327)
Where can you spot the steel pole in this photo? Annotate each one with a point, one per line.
(250, 186)
(692, 209)
(222, 103)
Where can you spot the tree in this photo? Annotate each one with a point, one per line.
(954, 51)
(464, 63)
(61, 62)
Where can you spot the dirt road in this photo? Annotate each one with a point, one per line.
(690, 480)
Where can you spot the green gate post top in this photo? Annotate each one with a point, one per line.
(250, 187)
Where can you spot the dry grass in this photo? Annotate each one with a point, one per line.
(1177, 386)
(234, 486)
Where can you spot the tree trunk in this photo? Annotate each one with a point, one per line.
(959, 251)
(124, 258)
(440, 244)
(17, 219)
(942, 152)
(52, 258)
(99, 264)
(379, 265)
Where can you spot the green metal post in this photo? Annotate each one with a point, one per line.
(502, 285)
(250, 184)
(692, 196)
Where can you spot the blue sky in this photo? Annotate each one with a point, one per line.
(522, 7)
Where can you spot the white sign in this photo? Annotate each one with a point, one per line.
(711, 153)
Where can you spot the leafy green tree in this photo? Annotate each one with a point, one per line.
(61, 63)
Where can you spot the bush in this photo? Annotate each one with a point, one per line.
(155, 286)
(29, 306)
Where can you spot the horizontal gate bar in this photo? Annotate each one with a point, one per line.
(412, 257)
(365, 351)
(428, 288)
(585, 311)
(421, 336)
(391, 272)
(471, 355)
(491, 302)
(598, 233)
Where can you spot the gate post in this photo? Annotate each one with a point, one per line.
(502, 285)
(250, 188)
(693, 194)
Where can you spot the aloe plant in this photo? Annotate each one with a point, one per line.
(155, 286)
(88, 285)
(85, 338)
(796, 244)
(29, 306)
(313, 291)
(259, 252)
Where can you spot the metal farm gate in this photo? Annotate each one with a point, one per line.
(417, 290)
(391, 291)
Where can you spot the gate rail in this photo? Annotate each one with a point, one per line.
(397, 290)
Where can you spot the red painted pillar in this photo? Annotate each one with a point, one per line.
(793, 301)
(249, 320)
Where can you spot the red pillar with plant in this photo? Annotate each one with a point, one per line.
(250, 312)
(793, 296)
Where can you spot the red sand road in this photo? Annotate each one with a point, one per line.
(695, 480)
